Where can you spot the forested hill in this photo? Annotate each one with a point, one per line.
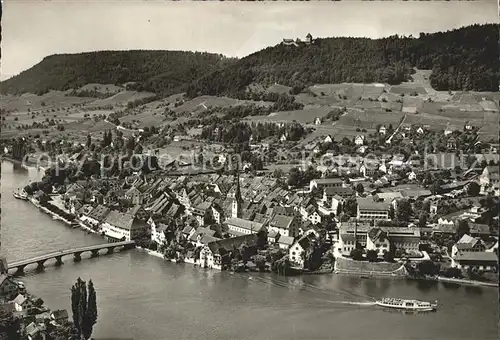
(462, 59)
(155, 71)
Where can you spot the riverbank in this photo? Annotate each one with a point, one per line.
(53, 214)
(467, 282)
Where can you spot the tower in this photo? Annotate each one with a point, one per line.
(236, 207)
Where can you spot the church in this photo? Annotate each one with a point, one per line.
(237, 226)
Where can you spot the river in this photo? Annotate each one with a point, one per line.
(145, 298)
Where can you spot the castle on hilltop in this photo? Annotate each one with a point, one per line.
(309, 40)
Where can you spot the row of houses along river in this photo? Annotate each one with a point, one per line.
(147, 298)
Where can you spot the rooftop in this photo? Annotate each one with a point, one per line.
(370, 204)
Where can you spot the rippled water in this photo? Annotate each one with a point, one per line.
(146, 298)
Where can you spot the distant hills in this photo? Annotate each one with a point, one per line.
(154, 71)
(461, 59)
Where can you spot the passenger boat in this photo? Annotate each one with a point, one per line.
(410, 305)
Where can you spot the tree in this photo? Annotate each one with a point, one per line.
(422, 220)
(360, 188)
(10, 326)
(403, 210)
(371, 255)
(463, 228)
(473, 189)
(351, 207)
(84, 307)
(389, 256)
(356, 254)
(89, 141)
(339, 209)
(427, 268)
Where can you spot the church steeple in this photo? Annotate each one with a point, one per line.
(236, 208)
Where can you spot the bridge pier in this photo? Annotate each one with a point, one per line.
(77, 256)
(59, 260)
(110, 250)
(40, 265)
(19, 270)
(94, 253)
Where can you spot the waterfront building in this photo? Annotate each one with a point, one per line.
(400, 237)
(95, 216)
(378, 241)
(8, 287)
(118, 226)
(484, 261)
(298, 251)
(23, 304)
(466, 244)
(211, 255)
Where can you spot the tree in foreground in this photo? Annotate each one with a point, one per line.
(371, 255)
(357, 254)
(84, 307)
(10, 326)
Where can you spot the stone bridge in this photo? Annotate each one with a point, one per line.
(76, 252)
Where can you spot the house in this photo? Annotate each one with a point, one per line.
(322, 183)
(158, 231)
(95, 216)
(420, 130)
(43, 317)
(8, 287)
(359, 140)
(298, 251)
(328, 139)
(59, 316)
(122, 226)
(451, 143)
(135, 195)
(485, 261)
(317, 121)
(284, 225)
(368, 209)
(214, 254)
(382, 130)
(345, 244)
(400, 237)
(23, 303)
(467, 244)
(412, 176)
(283, 138)
(489, 178)
(238, 226)
(217, 214)
(203, 212)
(285, 242)
(36, 331)
(311, 214)
(377, 240)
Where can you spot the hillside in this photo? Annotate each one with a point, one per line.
(153, 71)
(462, 59)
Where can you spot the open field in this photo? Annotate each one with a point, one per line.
(203, 103)
(304, 116)
(121, 98)
(47, 101)
(108, 89)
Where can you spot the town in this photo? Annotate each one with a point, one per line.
(371, 180)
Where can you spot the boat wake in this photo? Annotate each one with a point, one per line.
(354, 303)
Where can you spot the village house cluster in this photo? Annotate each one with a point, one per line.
(37, 320)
